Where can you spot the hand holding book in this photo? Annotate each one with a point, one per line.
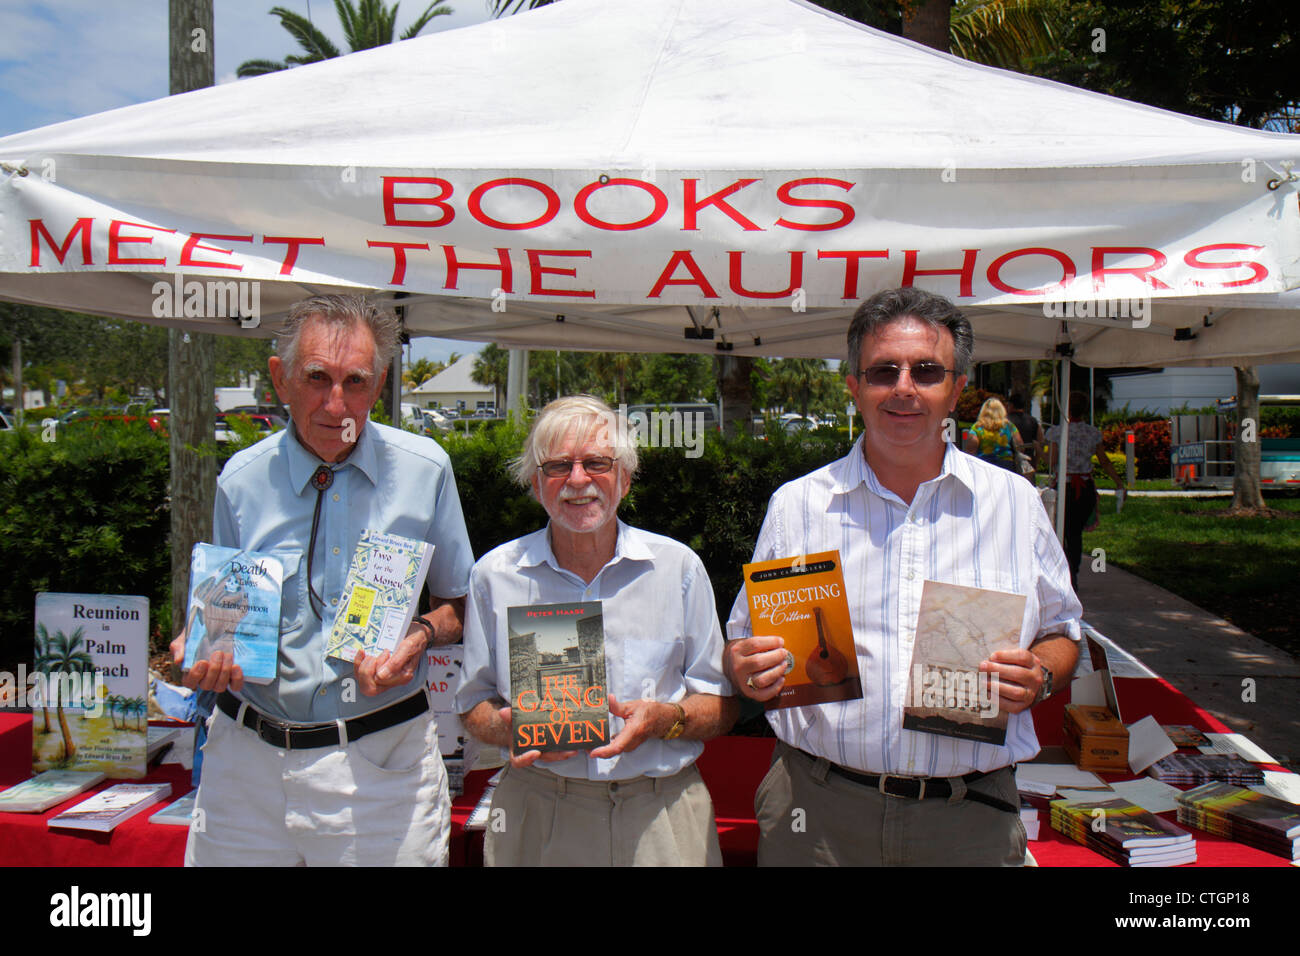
(642, 720)
(529, 757)
(1019, 678)
(388, 670)
(757, 666)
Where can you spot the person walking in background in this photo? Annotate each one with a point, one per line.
(1031, 433)
(994, 439)
(1083, 442)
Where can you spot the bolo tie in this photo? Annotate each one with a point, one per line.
(322, 478)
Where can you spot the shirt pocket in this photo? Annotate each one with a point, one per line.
(652, 669)
(293, 592)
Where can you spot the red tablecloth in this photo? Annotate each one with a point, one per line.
(732, 767)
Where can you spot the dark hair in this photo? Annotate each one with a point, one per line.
(341, 311)
(894, 304)
(1078, 404)
(1017, 400)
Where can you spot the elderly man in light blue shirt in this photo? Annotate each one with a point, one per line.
(332, 762)
(638, 800)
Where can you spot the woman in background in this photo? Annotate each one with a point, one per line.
(994, 439)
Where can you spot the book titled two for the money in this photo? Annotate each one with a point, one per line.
(802, 601)
(380, 595)
(557, 677)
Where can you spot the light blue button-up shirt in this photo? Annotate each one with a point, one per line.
(973, 524)
(662, 637)
(393, 482)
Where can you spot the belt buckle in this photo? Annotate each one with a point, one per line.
(882, 786)
(264, 724)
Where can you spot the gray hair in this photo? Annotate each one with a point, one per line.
(342, 312)
(933, 310)
(592, 416)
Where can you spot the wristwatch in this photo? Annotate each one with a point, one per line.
(679, 725)
(427, 626)
(1044, 691)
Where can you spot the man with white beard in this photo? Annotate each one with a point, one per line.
(638, 800)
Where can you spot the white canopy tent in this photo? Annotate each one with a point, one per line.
(668, 175)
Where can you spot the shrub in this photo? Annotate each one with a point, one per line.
(1152, 445)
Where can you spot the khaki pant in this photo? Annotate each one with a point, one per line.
(808, 816)
(539, 818)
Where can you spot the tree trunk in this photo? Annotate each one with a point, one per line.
(191, 377)
(18, 381)
(1246, 494)
(733, 373)
(927, 21)
(69, 745)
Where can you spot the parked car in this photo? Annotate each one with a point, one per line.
(5, 424)
(266, 424)
(435, 420)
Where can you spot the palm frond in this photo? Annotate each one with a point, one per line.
(259, 68)
(1005, 33)
(435, 9)
(304, 31)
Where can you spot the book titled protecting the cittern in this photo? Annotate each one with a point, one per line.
(956, 628)
(557, 677)
(235, 608)
(109, 808)
(802, 601)
(380, 595)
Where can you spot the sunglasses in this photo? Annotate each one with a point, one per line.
(922, 373)
(561, 467)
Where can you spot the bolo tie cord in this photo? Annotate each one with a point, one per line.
(322, 478)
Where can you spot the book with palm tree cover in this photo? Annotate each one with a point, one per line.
(235, 607)
(90, 684)
(802, 601)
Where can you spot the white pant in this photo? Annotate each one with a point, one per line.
(379, 801)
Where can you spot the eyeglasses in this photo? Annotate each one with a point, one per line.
(561, 467)
(922, 373)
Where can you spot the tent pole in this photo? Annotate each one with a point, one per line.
(1061, 483)
(517, 383)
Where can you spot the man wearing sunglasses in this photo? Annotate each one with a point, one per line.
(905, 506)
(638, 800)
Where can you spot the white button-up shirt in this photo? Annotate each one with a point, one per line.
(662, 636)
(974, 524)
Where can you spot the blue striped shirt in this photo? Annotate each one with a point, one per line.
(974, 524)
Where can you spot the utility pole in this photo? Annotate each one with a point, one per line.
(191, 378)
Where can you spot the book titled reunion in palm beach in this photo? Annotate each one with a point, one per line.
(235, 608)
(557, 677)
(380, 595)
(90, 684)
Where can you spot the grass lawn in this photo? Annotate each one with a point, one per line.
(1242, 569)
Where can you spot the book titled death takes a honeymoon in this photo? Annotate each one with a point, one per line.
(235, 608)
(802, 601)
(557, 677)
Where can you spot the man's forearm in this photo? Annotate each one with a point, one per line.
(708, 715)
(447, 619)
(484, 721)
(1058, 654)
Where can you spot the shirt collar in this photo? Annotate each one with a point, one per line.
(852, 470)
(628, 547)
(303, 464)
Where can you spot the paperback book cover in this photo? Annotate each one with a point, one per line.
(557, 677)
(958, 627)
(90, 694)
(179, 813)
(47, 789)
(380, 595)
(1123, 832)
(1246, 816)
(1186, 735)
(109, 808)
(802, 601)
(235, 608)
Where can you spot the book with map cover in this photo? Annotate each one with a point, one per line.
(235, 608)
(958, 627)
(557, 677)
(802, 601)
(380, 595)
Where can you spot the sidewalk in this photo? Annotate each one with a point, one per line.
(1204, 656)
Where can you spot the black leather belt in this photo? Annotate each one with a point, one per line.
(287, 736)
(919, 788)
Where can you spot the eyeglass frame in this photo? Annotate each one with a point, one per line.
(570, 462)
(864, 374)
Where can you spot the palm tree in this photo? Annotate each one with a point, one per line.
(137, 707)
(366, 24)
(114, 703)
(492, 367)
(42, 649)
(65, 654)
(420, 371)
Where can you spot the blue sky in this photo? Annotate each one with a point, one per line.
(60, 59)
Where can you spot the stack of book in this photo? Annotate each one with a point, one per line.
(48, 789)
(1123, 832)
(1246, 816)
(1189, 770)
